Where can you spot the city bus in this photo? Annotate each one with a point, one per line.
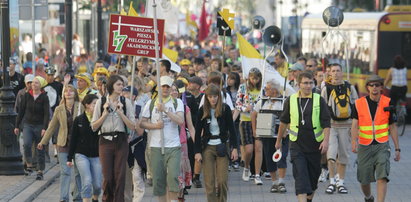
(372, 39)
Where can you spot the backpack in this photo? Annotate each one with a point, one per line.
(339, 101)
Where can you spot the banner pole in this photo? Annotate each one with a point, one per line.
(160, 92)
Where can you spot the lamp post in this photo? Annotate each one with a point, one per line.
(10, 156)
(69, 34)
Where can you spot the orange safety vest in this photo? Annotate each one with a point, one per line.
(373, 129)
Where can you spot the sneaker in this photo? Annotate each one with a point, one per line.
(197, 183)
(150, 182)
(274, 188)
(39, 176)
(236, 166)
(281, 188)
(370, 199)
(267, 176)
(252, 177)
(257, 180)
(246, 175)
(323, 176)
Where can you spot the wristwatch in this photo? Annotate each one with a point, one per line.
(398, 150)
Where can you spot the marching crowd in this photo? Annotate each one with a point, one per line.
(115, 138)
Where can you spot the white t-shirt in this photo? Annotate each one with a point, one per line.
(171, 133)
(226, 99)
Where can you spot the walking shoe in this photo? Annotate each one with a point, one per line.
(274, 188)
(252, 177)
(281, 188)
(149, 182)
(28, 171)
(267, 176)
(246, 175)
(257, 180)
(323, 176)
(371, 199)
(39, 176)
(236, 166)
(197, 183)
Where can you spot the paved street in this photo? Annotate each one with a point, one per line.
(398, 189)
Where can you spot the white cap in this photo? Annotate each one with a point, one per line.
(166, 80)
(28, 78)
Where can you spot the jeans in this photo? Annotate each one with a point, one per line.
(65, 176)
(32, 133)
(90, 172)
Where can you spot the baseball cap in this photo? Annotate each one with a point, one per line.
(128, 89)
(297, 67)
(112, 68)
(101, 70)
(180, 86)
(28, 78)
(50, 70)
(166, 80)
(196, 80)
(185, 62)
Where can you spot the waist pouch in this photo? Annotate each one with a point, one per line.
(221, 150)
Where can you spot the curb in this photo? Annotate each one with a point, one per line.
(32, 191)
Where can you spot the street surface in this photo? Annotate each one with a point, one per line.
(398, 188)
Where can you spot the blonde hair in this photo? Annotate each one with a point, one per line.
(212, 89)
(76, 98)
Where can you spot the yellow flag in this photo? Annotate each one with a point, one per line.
(131, 11)
(123, 12)
(172, 55)
(189, 21)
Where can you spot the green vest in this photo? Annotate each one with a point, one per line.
(295, 117)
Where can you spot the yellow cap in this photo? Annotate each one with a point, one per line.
(82, 69)
(43, 82)
(85, 77)
(101, 70)
(185, 62)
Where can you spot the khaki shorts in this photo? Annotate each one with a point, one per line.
(339, 145)
(165, 169)
(373, 163)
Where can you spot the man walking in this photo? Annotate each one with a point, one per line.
(339, 96)
(372, 123)
(307, 117)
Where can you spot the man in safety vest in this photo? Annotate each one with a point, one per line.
(372, 123)
(308, 119)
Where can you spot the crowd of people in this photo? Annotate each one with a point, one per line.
(116, 136)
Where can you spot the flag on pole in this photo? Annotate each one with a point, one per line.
(172, 55)
(204, 26)
(250, 58)
(131, 11)
(123, 12)
(167, 11)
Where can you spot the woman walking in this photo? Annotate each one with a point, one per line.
(113, 116)
(62, 120)
(216, 124)
(34, 112)
(84, 150)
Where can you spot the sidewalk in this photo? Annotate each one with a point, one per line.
(21, 188)
(25, 188)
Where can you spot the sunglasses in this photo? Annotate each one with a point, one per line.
(375, 84)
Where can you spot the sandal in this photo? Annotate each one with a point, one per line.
(342, 189)
(330, 189)
(274, 188)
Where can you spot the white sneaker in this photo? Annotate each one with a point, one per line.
(323, 176)
(257, 180)
(246, 175)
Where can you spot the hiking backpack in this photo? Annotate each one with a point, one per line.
(339, 101)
